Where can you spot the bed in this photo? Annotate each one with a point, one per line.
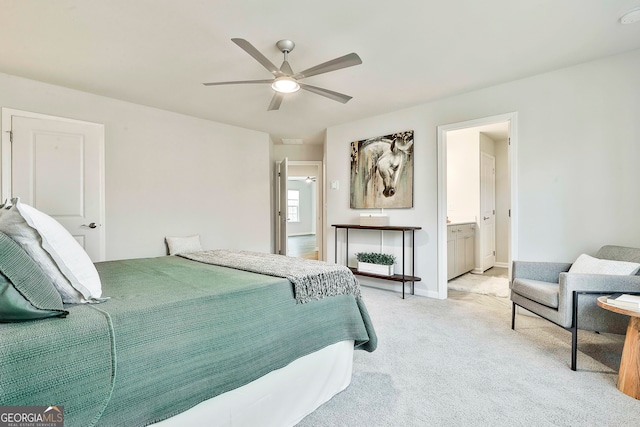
(174, 333)
(183, 342)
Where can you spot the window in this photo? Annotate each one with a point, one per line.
(293, 205)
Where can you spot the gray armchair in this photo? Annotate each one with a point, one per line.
(569, 299)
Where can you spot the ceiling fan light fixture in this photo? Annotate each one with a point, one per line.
(285, 84)
(285, 80)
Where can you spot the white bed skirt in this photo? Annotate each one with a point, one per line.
(279, 399)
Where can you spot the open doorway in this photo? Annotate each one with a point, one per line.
(301, 214)
(304, 210)
(476, 198)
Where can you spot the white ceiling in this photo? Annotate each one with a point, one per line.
(157, 53)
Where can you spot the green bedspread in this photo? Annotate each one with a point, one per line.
(174, 333)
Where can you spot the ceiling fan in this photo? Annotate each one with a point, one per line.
(285, 80)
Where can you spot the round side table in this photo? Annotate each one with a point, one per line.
(629, 374)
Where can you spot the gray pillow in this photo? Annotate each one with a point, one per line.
(26, 293)
(53, 248)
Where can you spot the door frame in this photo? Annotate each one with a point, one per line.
(512, 118)
(5, 160)
(319, 202)
(281, 206)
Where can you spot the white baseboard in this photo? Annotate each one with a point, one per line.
(497, 264)
(428, 294)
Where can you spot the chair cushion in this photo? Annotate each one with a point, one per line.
(586, 264)
(544, 293)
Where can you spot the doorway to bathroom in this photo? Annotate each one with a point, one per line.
(476, 197)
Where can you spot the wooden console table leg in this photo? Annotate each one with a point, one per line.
(629, 375)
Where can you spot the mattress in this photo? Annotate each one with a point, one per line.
(282, 398)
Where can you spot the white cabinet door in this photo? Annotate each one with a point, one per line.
(57, 167)
(460, 249)
(460, 254)
(451, 254)
(469, 253)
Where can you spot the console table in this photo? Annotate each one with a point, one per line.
(396, 277)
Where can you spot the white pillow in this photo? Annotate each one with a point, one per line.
(50, 245)
(589, 265)
(182, 245)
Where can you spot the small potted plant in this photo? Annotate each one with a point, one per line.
(375, 263)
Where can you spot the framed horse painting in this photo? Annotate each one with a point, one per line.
(382, 171)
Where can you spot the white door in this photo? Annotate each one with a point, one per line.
(487, 211)
(282, 173)
(57, 167)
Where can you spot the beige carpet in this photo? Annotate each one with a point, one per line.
(493, 282)
(457, 363)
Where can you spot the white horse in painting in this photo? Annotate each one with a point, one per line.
(378, 163)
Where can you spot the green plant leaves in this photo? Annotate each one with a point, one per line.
(376, 258)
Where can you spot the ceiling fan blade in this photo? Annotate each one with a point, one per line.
(336, 96)
(238, 82)
(276, 101)
(255, 53)
(335, 64)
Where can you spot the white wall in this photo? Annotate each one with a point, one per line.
(304, 152)
(577, 166)
(166, 173)
(463, 175)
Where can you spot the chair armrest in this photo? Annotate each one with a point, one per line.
(601, 283)
(606, 283)
(543, 271)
